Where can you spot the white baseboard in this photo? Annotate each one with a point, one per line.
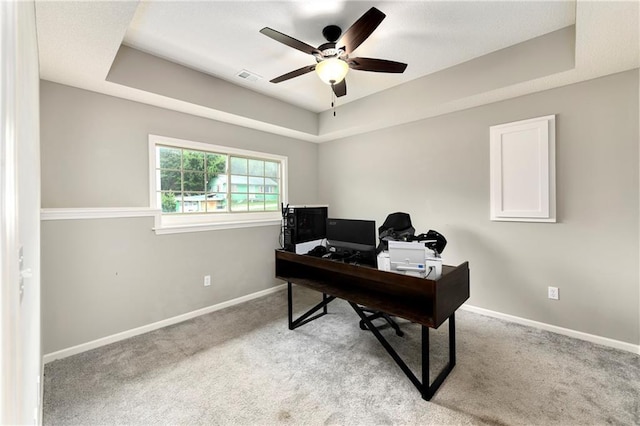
(629, 347)
(617, 344)
(154, 326)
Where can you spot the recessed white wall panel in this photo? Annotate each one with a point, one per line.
(522, 170)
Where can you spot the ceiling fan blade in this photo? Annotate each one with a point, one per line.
(289, 41)
(295, 73)
(361, 30)
(376, 65)
(340, 89)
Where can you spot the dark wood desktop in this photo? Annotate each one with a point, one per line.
(426, 302)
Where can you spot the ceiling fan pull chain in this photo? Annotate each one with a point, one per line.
(333, 100)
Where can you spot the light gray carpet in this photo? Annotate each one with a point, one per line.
(242, 365)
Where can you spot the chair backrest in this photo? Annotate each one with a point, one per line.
(396, 227)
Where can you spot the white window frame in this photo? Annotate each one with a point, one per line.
(176, 223)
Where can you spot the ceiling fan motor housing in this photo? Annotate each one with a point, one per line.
(329, 50)
(332, 33)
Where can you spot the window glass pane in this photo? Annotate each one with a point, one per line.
(168, 202)
(217, 183)
(239, 165)
(256, 185)
(271, 186)
(216, 202)
(170, 180)
(193, 160)
(239, 183)
(194, 181)
(178, 198)
(239, 202)
(194, 202)
(271, 169)
(256, 202)
(169, 157)
(216, 164)
(271, 203)
(256, 168)
(216, 172)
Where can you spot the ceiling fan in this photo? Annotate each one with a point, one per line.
(332, 58)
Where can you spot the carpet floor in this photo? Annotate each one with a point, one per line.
(242, 366)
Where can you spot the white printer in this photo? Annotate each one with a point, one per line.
(411, 258)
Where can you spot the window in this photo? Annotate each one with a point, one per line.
(199, 186)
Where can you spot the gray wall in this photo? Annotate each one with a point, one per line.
(133, 68)
(95, 148)
(438, 171)
(101, 277)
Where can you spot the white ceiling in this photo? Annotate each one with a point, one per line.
(78, 41)
(222, 38)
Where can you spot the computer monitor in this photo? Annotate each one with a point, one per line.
(352, 240)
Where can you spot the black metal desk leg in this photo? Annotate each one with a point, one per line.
(306, 317)
(403, 366)
(452, 340)
(429, 389)
(290, 304)
(425, 389)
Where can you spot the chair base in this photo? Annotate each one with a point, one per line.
(377, 314)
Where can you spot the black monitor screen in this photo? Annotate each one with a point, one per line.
(309, 223)
(352, 237)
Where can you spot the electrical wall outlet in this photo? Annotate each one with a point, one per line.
(207, 280)
(554, 293)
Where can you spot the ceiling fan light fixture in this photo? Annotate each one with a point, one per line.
(332, 71)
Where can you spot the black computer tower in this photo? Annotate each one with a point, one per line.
(303, 224)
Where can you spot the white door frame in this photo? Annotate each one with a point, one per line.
(9, 273)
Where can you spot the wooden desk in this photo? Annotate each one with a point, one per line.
(426, 302)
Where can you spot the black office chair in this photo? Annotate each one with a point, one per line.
(397, 227)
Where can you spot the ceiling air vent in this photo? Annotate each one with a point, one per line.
(248, 75)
